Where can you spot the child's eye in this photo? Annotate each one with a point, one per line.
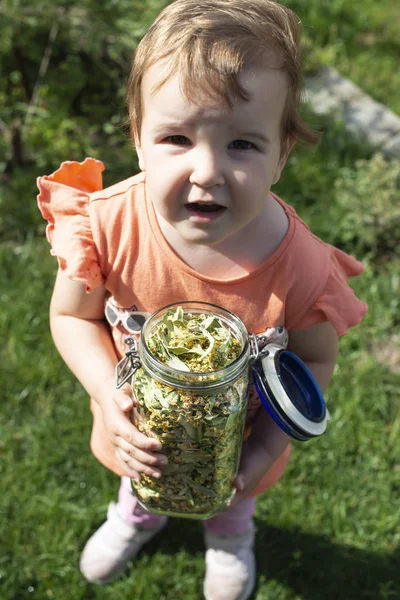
(177, 140)
(242, 145)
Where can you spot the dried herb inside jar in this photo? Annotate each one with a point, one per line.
(200, 430)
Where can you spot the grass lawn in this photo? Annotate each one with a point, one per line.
(330, 528)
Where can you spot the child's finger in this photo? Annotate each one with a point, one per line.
(137, 466)
(238, 497)
(139, 440)
(146, 458)
(239, 483)
(129, 471)
(124, 399)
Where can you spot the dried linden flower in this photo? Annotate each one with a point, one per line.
(201, 431)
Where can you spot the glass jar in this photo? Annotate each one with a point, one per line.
(198, 414)
(198, 417)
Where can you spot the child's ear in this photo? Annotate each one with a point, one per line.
(140, 157)
(283, 159)
(139, 153)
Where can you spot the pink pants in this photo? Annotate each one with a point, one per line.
(233, 521)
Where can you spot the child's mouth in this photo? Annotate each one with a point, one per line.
(203, 207)
(202, 211)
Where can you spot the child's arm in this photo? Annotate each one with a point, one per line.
(84, 342)
(318, 348)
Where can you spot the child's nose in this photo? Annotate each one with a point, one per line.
(207, 170)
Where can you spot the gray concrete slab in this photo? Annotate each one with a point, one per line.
(330, 93)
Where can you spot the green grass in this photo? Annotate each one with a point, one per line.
(328, 530)
(361, 40)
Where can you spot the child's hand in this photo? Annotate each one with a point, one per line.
(265, 445)
(135, 452)
(254, 463)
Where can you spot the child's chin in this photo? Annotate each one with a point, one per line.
(202, 237)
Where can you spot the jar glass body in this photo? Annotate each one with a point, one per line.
(198, 417)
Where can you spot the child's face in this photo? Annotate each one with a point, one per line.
(209, 169)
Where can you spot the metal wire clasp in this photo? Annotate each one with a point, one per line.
(258, 347)
(259, 343)
(129, 364)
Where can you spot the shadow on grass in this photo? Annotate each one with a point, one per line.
(307, 566)
(312, 566)
(315, 567)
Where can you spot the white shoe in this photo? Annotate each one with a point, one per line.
(230, 566)
(108, 551)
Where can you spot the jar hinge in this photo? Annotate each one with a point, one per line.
(129, 364)
(258, 347)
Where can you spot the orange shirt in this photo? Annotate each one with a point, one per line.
(112, 237)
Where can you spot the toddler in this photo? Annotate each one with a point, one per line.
(213, 96)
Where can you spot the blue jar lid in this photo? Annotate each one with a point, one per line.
(290, 393)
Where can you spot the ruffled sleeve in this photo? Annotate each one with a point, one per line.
(337, 303)
(64, 199)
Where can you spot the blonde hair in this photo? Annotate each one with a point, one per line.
(210, 42)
